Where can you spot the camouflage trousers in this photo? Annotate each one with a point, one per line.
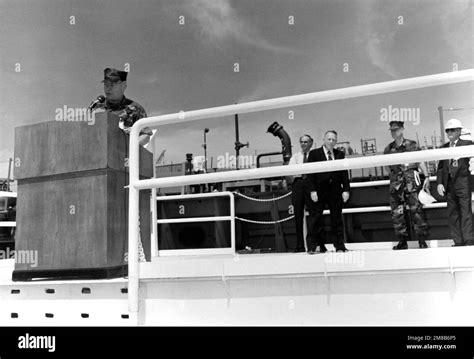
(399, 199)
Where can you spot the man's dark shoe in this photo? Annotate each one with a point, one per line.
(423, 244)
(401, 245)
(342, 249)
(322, 249)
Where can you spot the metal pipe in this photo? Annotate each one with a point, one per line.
(311, 167)
(310, 98)
(194, 219)
(232, 221)
(238, 144)
(277, 130)
(195, 195)
(377, 183)
(194, 252)
(441, 123)
(206, 130)
(237, 141)
(382, 208)
(154, 227)
(133, 224)
(7, 224)
(265, 155)
(10, 160)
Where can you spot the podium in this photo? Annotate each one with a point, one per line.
(72, 207)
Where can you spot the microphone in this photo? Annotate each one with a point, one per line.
(100, 99)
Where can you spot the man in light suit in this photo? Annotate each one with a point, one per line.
(329, 189)
(453, 179)
(301, 193)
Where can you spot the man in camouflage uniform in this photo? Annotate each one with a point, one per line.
(404, 187)
(115, 83)
(128, 111)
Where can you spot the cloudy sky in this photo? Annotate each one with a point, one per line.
(282, 48)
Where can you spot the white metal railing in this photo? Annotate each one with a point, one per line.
(7, 224)
(8, 194)
(136, 184)
(377, 183)
(372, 209)
(382, 208)
(230, 218)
(5, 194)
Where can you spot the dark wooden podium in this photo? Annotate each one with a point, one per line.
(72, 207)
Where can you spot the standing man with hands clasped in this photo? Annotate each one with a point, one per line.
(329, 189)
(301, 193)
(453, 181)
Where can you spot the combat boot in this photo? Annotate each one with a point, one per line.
(402, 244)
(422, 241)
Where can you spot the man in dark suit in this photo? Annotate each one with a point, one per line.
(327, 189)
(453, 180)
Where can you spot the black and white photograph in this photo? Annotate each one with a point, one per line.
(237, 163)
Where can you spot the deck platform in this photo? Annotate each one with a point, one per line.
(369, 285)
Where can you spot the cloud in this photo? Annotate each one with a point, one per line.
(151, 79)
(379, 54)
(456, 23)
(272, 88)
(219, 23)
(377, 35)
(401, 34)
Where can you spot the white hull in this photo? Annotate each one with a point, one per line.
(375, 286)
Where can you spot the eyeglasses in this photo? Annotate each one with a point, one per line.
(111, 84)
(304, 141)
(451, 130)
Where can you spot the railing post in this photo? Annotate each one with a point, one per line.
(232, 221)
(133, 228)
(154, 226)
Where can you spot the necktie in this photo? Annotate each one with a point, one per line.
(305, 159)
(453, 162)
(329, 156)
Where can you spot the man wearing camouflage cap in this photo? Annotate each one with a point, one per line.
(404, 187)
(115, 83)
